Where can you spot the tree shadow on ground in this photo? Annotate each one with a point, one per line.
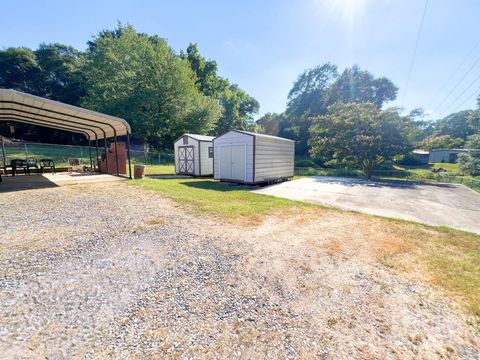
(346, 181)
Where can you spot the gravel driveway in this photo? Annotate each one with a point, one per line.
(112, 271)
(431, 203)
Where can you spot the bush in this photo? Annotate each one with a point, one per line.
(469, 163)
(410, 159)
(305, 163)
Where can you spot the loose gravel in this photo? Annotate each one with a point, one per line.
(112, 271)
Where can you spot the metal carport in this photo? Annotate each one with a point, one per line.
(34, 110)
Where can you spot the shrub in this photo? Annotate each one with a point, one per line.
(469, 163)
(410, 159)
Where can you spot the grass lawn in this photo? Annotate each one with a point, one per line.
(451, 258)
(217, 199)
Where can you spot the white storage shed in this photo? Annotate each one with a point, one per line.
(250, 158)
(194, 155)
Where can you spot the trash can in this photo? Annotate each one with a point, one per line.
(139, 171)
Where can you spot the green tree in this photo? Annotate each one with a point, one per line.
(61, 73)
(359, 133)
(456, 125)
(317, 88)
(440, 142)
(19, 70)
(238, 108)
(469, 163)
(310, 92)
(141, 79)
(473, 142)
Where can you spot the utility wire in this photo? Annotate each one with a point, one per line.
(444, 86)
(461, 94)
(475, 94)
(414, 51)
(458, 83)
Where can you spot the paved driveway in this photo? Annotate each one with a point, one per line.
(436, 204)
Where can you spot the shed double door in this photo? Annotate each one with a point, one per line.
(232, 162)
(186, 163)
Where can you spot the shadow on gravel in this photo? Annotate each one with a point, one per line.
(24, 182)
(378, 183)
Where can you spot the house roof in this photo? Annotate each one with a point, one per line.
(35, 110)
(461, 150)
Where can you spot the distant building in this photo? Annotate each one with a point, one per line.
(422, 156)
(448, 155)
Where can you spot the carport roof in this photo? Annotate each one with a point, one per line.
(35, 110)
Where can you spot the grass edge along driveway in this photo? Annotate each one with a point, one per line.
(451, 257)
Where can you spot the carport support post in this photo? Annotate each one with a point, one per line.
(128, 155)
(4, 157)
(106, 153)
(90, 153)
(116, 151)
(96, 147)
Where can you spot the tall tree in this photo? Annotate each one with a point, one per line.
(456, 125)
(61, 73)
(309, 94)
(141, 79)
(19, 70)
(359, 133)
(238, 108)
(360, 86)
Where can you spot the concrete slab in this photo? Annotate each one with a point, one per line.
(431, 203)
(80, 178)
(35, 181)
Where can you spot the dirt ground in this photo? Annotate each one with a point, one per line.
(111, 271)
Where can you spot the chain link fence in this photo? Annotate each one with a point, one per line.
(61, 153)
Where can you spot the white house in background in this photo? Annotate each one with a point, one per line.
(194, 155)
(250, 158)
(448, 155)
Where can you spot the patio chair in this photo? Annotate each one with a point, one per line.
(18, 164)
(47, 163)
(31, 163)
(74, 165)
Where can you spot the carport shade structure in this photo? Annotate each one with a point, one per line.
(34, 110)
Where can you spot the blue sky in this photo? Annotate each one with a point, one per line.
(264, 45)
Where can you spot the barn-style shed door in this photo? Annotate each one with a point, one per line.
(186, 163)
(232, 162)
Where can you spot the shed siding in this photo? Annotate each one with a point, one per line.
(206, 162)
(191, 142)
(234, 138)
(274, 158)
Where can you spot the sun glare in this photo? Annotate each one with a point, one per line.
(347, 11)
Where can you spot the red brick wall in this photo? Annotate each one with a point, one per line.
(112, 164)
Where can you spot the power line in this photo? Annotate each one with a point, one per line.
(475, 94)
(443, 87)
(415, 51)
(459, 82)
(461, 94)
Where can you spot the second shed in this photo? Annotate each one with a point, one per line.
(251, 158)
(194, 155)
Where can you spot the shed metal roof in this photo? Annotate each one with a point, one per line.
(201, 137)
(259, 135)
(35, 110)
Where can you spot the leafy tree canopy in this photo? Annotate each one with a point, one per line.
(238, 107)
(457, 125)
(359, 133)
(440, 142)
(141, 79)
